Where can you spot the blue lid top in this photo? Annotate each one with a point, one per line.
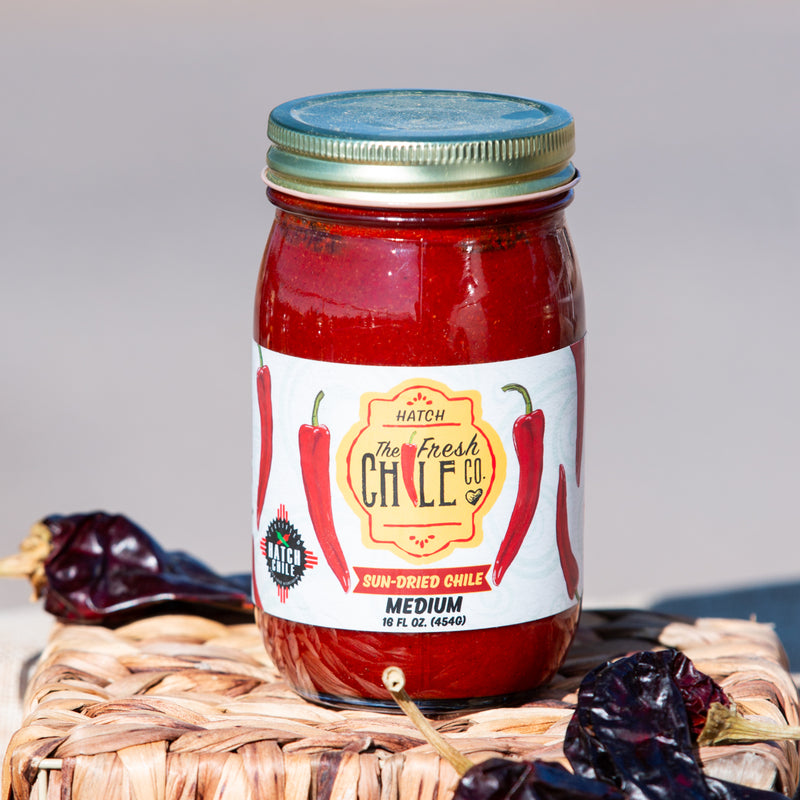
(418, 146)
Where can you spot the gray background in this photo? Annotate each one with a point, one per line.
(132, 221)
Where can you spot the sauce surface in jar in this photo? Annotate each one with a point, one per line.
(418, 398)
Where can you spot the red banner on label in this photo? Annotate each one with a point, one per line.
(373, 580)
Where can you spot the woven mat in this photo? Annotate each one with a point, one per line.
(177, 708)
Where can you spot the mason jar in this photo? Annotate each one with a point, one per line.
(418, 384)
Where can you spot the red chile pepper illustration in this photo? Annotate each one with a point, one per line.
(579, 354)
(569, 564)
(315, 445)
(264, 398)
(528, 437)
(408, 457)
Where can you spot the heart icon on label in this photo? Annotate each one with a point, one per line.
(473, 495)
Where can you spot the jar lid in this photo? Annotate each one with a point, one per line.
(417, 147)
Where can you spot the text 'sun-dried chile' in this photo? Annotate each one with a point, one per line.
(100, 567)
(315, 446)
(635, 727)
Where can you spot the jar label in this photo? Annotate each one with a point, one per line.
(417, 498)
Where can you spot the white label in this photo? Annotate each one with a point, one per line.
(404, 499)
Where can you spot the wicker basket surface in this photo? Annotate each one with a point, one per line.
(182, 707)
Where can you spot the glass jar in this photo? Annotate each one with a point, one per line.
(418, 398)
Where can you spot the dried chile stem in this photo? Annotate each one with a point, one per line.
(395, 680)
(29, 562)
(725, 726)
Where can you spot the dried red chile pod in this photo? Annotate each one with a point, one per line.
(698, 690)
(632, 737)
(501, 779)
(635, 727)
(105, 568)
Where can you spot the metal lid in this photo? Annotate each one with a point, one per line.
(418, 147)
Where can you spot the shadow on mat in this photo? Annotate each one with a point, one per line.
(776, 603)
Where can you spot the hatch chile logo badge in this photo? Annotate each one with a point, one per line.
(286, 555)
(421, 468)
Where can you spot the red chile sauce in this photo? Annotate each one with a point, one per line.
(396, 286)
